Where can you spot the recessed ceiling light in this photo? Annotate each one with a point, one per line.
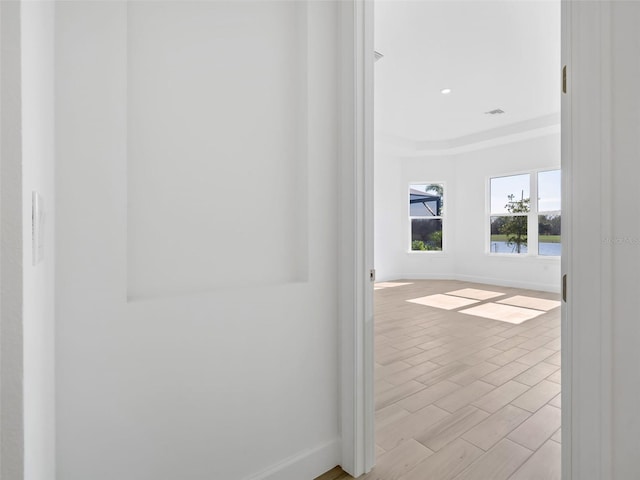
(445, 91)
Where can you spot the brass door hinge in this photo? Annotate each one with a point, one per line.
(564, 288)
(564, 79)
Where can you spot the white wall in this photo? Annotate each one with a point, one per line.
(472, 172)
(229, 369)
(387, 214)
(465, 176)
(38, 171)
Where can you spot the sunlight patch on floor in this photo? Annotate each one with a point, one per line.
(445, 302)
(475, 293)
(531, 302)
(503, 313)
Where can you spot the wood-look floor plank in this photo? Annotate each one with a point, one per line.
(442, 373)
(412, 373)
(555, 377)
(464, 396)
(554, 359)
(500, 396)
(509, 343)
(537, 396)
(486, 354)
(540, 341)
(384, 371)
(451, 427)
(536, 356)
(496, 427)
(536, 374)
(473, 373)
(505, 373)
(556, 401)
(391, 414)
(445, 464)
(382, 386)
(498, 463)
(554, 344)
(398, 392)
(390, 356)
(396, 462)
(542, 465)
(425, 397)
(426, 355)
(414, 342)
(534, 431)
(409, 427)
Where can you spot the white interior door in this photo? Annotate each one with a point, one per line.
(196, 296)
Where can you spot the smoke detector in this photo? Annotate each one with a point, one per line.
(497, 111)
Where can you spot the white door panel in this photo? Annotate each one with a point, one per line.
(196, 237)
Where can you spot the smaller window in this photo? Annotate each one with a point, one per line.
(549, 217)
(426, 209)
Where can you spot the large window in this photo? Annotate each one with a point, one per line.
(426, 209)
(519, 225)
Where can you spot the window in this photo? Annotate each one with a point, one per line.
(510, 199)
(426, 208)
(513, 216)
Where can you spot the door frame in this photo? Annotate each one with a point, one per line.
(12, 244)
(587, 349)
(356, 237)
(586, 344)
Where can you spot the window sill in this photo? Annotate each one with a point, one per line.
(524, 255)
(426, 252)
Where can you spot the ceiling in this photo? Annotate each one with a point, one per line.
(491, 54)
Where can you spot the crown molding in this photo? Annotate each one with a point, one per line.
(514, 132)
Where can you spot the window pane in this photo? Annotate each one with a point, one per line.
(549, 191)
(510, 194)
(508, 234)
(426, 200)
(426, 234)
(549, 235)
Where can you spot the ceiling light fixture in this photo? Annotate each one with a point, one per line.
(497, 111)
(445, 91)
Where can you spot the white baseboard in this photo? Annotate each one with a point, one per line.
(478, 279)
(510, 283)
(305, 465)
(421, 276)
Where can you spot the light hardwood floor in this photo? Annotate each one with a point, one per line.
(460, 397)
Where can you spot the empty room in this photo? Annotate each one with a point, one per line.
(467, 240)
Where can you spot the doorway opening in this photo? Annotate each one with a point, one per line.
(467, 240)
